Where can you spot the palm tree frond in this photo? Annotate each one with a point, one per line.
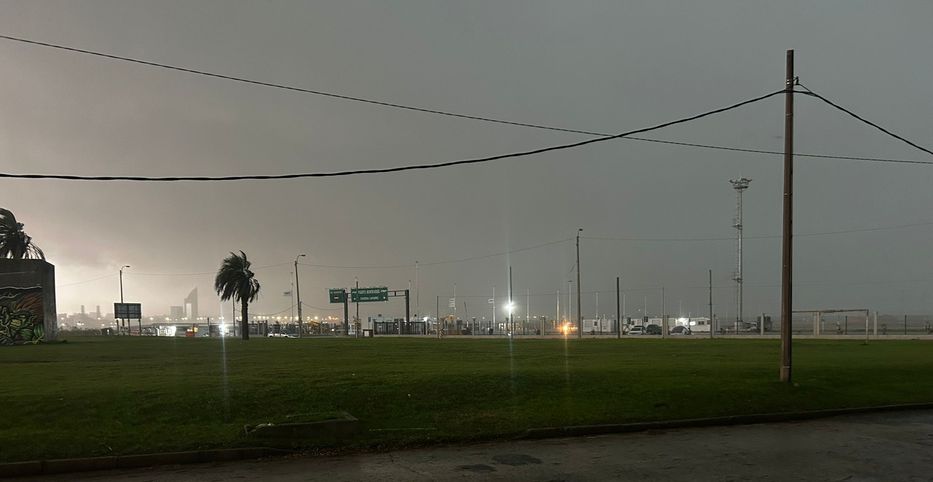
(234, 279)
(14, 242)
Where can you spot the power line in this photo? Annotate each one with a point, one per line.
(341, 96)
(276, 313)
(128, 274)
(528, 248)
(865, 230)
(86, 281)
(864, 120)
(202, 273)
(769, 236)
(781, 153)
(436, 165)
(336, 266)
(815, 283)
(519, 250)
(409, 266)
(319, 308)
(289, 87)
(466, 116)
(435, 263)
(635, 239)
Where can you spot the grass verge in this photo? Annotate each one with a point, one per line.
(114, 396)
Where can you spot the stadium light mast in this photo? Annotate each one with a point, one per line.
(740, 185)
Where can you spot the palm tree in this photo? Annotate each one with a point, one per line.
(14, 242)
(235, 280)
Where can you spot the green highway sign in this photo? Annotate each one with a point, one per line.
(363, 295)
(338, 295)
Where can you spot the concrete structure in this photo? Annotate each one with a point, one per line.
(27, 301)
(191, 304)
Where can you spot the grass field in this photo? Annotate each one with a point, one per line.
(101, 396)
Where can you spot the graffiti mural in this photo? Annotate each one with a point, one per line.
(22, 319)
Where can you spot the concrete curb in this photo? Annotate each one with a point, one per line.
(578, 430)
(58, 466)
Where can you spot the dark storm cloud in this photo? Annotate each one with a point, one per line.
(603, 66)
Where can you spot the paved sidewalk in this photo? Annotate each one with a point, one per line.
(884, 447)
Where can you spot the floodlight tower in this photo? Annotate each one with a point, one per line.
(740, 185)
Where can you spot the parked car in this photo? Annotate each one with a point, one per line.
(681, 330)
(636, 330)
(653, 329)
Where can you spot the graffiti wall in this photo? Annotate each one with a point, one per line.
(22, 317)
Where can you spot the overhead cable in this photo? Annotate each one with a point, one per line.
(288, 87)
(435, 263)
(202, 273)
(86, 281)
(767, 236)
(498, 157)
(864, 120)
(464, 116)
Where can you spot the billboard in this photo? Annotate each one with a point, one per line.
(130, 311)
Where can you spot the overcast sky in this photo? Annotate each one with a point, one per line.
(607, 66)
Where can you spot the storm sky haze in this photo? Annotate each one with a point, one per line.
(604, 66)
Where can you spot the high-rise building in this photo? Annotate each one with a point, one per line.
(191, 304)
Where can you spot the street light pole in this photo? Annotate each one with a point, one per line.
(121, 281)
(298, 295)
(579, 301)
(121, 290)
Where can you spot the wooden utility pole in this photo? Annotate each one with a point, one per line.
(787, 304)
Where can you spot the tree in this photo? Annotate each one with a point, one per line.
(235, 280)
(14, 242)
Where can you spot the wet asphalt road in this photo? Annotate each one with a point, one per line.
(889, 446)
